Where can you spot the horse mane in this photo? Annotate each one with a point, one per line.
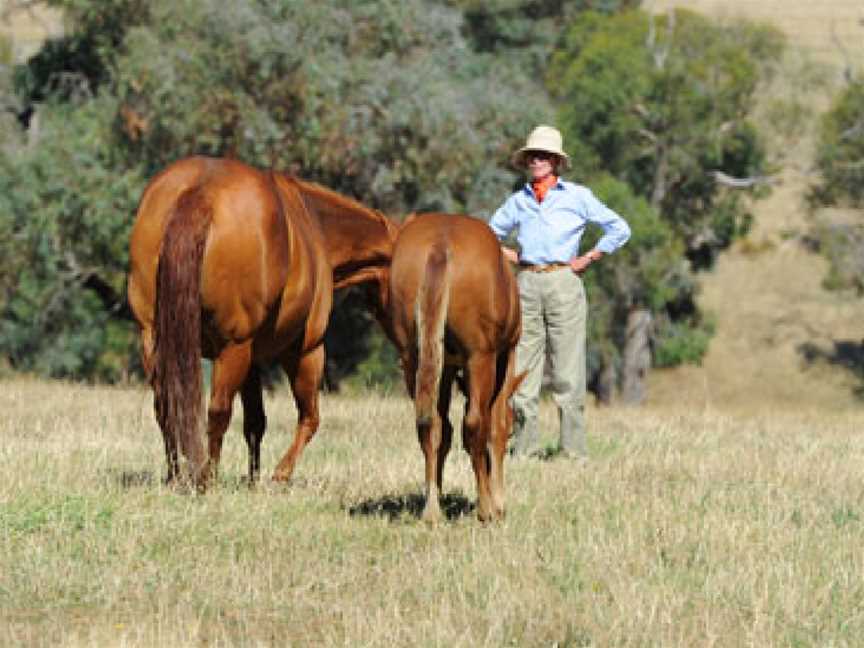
(315, 190)
(308, 189)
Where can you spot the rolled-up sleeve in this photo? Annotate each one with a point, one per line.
(616, 231)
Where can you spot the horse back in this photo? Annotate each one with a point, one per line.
(483, 308)
(156, 206)
(259, 274)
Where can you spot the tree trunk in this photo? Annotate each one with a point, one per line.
(604, 385)
(661, 171)
(637, 356)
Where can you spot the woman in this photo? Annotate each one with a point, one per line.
(550, 216)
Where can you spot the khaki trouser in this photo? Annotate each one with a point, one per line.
(554, 312)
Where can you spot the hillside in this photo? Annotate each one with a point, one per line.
(771, 311)
(816, 27)
(27, 24)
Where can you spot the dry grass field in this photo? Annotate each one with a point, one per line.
(689, 527)
(728, 511)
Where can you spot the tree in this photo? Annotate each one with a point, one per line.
(67, 208)
(661, 103)
(642, 299)
(840, 161)
(403, 104)
(394, 108)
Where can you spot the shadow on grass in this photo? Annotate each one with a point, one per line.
(848, 354)
(393, 507)
(131, 479)
(144, 479)
(549, 453)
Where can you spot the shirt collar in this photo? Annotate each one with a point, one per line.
(558, 185)
(528, 189)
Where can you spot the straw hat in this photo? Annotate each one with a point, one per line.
(543, 138)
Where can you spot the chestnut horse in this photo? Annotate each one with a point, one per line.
(454, 309)
(239, 265)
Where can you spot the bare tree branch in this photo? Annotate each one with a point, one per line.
(648, 135)
(660, 53)
(741, 183)
(114, 303)
(853, 131)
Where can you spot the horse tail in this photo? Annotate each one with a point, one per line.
(177, 380)
(431, 318)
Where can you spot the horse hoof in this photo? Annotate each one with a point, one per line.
(487, 516)
(431, 517)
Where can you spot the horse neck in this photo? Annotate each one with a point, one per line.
(358, 240)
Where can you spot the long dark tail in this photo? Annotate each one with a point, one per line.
(177, 366)
(431, 318)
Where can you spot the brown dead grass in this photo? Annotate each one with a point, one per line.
(27, 24)
(830, 30)
(690, 527)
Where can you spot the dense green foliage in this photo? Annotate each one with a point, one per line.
(652, 273)
(840, 160)
(662, 104)
(840, 156)
(382, 100)
(404, 104)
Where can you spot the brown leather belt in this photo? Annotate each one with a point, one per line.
(543, 267)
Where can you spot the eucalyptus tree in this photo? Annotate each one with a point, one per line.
(663, 103)
(385, 101)
(840, 161)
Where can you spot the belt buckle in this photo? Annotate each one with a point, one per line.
(549, 267)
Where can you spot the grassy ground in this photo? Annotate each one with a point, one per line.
(729, 511)
(690, 527)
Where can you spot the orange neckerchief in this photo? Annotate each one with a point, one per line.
(542, 187)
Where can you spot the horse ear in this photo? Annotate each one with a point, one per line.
(515, 382)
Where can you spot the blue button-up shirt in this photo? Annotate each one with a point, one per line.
(550, 232)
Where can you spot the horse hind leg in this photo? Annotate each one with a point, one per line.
(230, 371)
(445, 395)
(499, 434)
(477, 427)
(147, 350)
(429, 436)
(304, 373)
(254, 420)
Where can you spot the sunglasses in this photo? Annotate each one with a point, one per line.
(539, 155)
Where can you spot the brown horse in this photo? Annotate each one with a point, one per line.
(454, 307)
(239, 265)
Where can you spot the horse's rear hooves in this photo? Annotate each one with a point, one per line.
(432, 519)
(491, 518)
